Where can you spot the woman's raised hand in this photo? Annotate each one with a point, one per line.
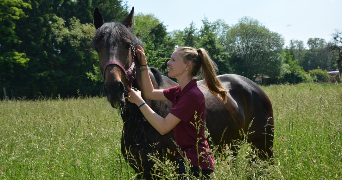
(141, 55)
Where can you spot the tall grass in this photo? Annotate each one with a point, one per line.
(51, 139)
(80, 139)
(308, 130)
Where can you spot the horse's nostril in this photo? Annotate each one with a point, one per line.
(121, 86)
(114, 90)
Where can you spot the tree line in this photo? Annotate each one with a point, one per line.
(44, 48)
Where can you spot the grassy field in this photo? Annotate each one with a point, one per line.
(80, 139)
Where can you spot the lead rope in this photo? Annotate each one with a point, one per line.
(135, 116)
(139, 134)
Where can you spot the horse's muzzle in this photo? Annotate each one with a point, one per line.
(114, 92)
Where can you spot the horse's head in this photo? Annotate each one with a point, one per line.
(114, 44)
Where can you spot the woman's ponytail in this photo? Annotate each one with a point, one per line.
(208, 71)
(201, 60)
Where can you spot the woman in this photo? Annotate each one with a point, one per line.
(187, 115)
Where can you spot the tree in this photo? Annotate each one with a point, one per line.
(336, 46)
(143, 24)
(291, 71)
(10, 59)
(158, 44)
(75, 60)
(208, 38)
(210, 41)
(190, 37)
(187, 37)
(254, 49)
(318, 56)
(48, 50)
(297, 50)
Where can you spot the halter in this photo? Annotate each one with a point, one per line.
(129, 73)
(139, 135)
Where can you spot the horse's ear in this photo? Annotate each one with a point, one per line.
(98, 19)
(128, 22)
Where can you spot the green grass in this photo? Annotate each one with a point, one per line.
(75, 138)
(80, 139)
(308, 130)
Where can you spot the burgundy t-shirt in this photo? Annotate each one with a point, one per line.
(186, 103)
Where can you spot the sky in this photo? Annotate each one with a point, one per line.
(293, 19)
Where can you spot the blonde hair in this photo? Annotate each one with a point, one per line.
(200, 59)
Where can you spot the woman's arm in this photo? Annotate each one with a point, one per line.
(162, 125)
(147, 87)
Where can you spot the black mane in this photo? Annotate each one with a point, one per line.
(157, 75)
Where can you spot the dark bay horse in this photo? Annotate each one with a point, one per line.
(248, 109)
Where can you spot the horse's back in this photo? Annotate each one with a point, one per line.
(248, 110)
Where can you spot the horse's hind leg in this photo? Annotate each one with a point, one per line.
(262, 141)
(262, 144)
(262, 150)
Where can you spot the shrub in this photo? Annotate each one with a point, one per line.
(319, 75)
(294, 77)
(292, 73)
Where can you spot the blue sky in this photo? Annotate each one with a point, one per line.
(293, 19)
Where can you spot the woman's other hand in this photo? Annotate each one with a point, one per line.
(134, 96)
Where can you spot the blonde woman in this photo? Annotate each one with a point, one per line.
(188, 101)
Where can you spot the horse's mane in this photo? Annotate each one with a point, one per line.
(157, 75)
(112, 33)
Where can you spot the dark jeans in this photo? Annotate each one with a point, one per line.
(194, 170)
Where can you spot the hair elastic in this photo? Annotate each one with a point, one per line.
(142, 104)
(199, 51)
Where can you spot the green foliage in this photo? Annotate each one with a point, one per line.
(319, 75)
(291, 71)
(255, 50)
(190, 36)
(335, 48)
(297, 50)
(73, 41)
(10, 59)
(44, 46)
(208, 38)
(95, 75)
(158, 44)
(318, 55)
(143, 25)
(10, 12)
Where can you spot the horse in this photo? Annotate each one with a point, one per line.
(247, 111)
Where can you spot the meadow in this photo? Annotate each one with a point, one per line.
(80, 139)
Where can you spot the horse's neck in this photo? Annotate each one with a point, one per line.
(166, 82)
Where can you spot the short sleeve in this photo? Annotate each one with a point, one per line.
(170, 93)
(185, 108)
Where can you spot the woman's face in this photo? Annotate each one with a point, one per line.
(177, 67)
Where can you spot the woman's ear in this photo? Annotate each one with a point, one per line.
(188, 66)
